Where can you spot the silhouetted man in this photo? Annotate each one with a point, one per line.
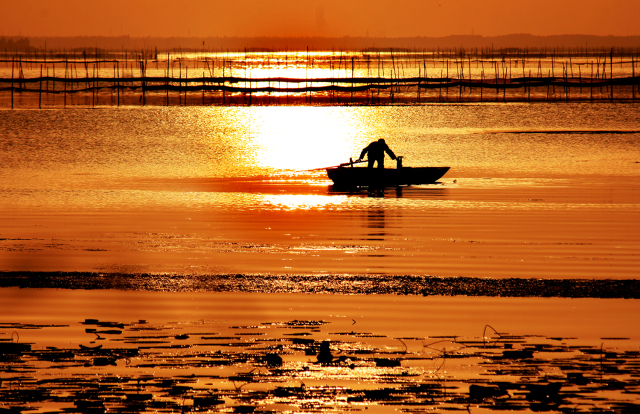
(376, 152)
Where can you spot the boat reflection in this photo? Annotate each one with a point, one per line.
(429, 191)
(375, 224)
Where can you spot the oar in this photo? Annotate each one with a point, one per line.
(344, 164)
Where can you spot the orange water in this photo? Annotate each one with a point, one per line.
(544, 190)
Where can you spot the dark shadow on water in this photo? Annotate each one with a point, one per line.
(375, 219)
(375, 224)
(424, 192)
(277, 184)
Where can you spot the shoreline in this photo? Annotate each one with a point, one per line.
(329, 284)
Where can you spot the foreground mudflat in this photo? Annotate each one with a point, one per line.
(107, 351)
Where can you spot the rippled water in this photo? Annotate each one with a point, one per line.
(495, 140)
(235, 172)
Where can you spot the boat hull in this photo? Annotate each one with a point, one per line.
(387, 177)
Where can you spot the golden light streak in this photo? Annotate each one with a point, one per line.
(302, 137)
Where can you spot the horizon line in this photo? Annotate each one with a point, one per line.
(320, 37)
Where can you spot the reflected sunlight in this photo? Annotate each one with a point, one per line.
(304, 137)
(301, 201)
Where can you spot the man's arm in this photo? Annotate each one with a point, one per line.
(364, 152)
(391, 154)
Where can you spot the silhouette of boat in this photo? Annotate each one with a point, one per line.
(348, 176)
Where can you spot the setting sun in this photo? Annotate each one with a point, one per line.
(303, 137)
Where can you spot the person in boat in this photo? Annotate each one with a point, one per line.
(376, 152)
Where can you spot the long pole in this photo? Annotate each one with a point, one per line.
(13, 64)
(65, 83)
(611, 71)
(93, 86)
(118, 80)
(40, 90)
(633, 75)
(481, 80)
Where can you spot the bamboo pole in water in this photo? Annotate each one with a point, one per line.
(611, 69)
(169, 79)
(447, 98)
(504, 89)
(529, 89)
(167, 82)
(352, 75)
(143, 71)
(13, 64)
(93, 86)
(418, 90)
(40, 90)
(393, 71)
(46, 85)
(21, 83)
(481, 80)
(65, 83)
(553, 74)
(307, 76)
(113, 83)
(118, 80)
(460, 71)
(633, 75)
(396, 80)
(591, 87)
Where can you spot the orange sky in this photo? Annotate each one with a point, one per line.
(330, 18)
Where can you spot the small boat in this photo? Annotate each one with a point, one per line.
(348, 176)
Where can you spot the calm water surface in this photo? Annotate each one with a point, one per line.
(549, 175)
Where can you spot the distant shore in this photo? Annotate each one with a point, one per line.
(523, 41)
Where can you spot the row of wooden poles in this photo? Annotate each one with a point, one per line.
(382, 85)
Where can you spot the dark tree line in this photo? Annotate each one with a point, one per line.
(14, 44)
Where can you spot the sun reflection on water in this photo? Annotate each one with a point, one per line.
(303, 137)
(301, 201)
